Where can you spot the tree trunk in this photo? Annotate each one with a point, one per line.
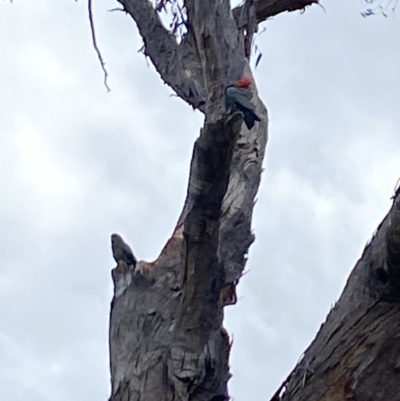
(356, 353)
(167, 341)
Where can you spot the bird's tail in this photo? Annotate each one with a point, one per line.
(250, 118)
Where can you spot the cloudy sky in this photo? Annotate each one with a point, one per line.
(78, 163)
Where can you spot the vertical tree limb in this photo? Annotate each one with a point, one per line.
(198, 358)
(166, 336)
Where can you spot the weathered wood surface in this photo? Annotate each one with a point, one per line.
(181, 65)
(198, 360)
(166, 335)
(356, 354)
(269, 8)
(167, 341)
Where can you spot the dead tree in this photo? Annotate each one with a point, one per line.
(167, 341)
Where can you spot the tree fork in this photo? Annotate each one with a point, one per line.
(166, 336)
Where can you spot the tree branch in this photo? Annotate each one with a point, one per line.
(269, 8)
(220, 49)
(390, 272)
(199, 321)
(151, 321)
(102, 63)
(177, 65)
(167, 323)
(235, 236)
(356, 350)
(248, 23)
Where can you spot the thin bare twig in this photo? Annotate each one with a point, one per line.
(117, 9)
(102, 63)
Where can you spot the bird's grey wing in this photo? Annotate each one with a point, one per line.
(244, 101)
(239, 96)
(229, 98)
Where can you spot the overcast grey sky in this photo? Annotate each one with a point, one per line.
(78, 163)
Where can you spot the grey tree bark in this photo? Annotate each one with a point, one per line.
(167, 341)
(356, 353)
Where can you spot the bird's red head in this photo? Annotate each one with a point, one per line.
(244, 82)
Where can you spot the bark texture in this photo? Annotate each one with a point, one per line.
(356, 354)
(167, 341)
(166, 336)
